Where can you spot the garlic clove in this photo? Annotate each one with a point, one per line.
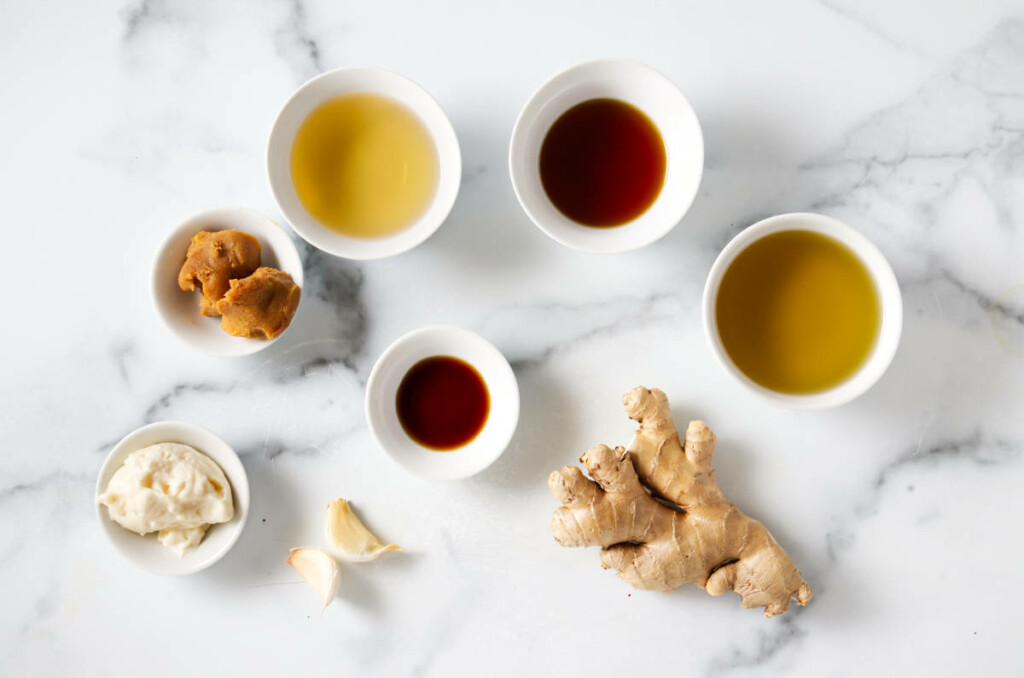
(349, 538)
(319, 569)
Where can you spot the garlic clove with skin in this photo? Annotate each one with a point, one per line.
(349, 538)
(319, 569)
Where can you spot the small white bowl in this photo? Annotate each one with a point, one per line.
(644, 88)
(145, 551)
(382, 390)
(180, 309)
(348, 81)
(886, 286)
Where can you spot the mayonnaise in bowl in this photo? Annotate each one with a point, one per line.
(171, 489)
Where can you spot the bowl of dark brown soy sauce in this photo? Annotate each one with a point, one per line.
(442, 402)
(607, 156)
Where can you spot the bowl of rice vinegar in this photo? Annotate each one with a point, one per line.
(804, 310)
(363, 163)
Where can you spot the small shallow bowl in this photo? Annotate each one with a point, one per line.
(886, 287)
(180, 310)
(146, 552)
(382, 389)
(350, 81)
(644, 88)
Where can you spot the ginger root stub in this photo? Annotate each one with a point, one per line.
(704, 539)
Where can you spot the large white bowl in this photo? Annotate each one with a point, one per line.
(145, 551)
(652, 93)
(377, 81)
(180, 310)
(887, 287)
(382, 391)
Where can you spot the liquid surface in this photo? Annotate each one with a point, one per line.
(797, 312)
(364, 165)
(602, 163)
(442, 403)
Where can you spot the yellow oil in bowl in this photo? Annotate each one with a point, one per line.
(797, 312)
(364, 165)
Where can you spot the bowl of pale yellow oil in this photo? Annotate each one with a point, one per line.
(364, 163)
(803, 310)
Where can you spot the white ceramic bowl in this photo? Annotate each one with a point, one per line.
(145, 551)
(887, 287)
(180, 310)
(382, 389)
(378, 81)
(652, 93)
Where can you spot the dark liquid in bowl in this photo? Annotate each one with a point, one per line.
(442, 403)
(602, 163)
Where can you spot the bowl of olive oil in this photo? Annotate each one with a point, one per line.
(364, 163)
(804, 310)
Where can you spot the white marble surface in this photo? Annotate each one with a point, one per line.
(903, 509)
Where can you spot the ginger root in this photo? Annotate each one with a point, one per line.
(661, 519)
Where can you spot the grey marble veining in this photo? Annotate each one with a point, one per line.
(901, 508)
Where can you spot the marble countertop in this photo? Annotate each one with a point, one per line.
(902, 509)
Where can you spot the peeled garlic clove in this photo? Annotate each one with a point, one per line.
(319, 569)
(349, 538)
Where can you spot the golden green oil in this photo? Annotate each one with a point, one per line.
(364, 165)
(797, 312)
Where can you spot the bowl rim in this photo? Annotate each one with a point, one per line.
(510, 402)
(240, 493)
(535, 105)
(882, 276)
(244, 347)
(352, 248)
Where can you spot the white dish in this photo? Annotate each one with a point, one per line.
(382, 389)
(180, 310)
(886, 286)
(146, 552)
(378, 81)
(652, 93)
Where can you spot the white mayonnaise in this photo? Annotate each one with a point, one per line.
(172, 489)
